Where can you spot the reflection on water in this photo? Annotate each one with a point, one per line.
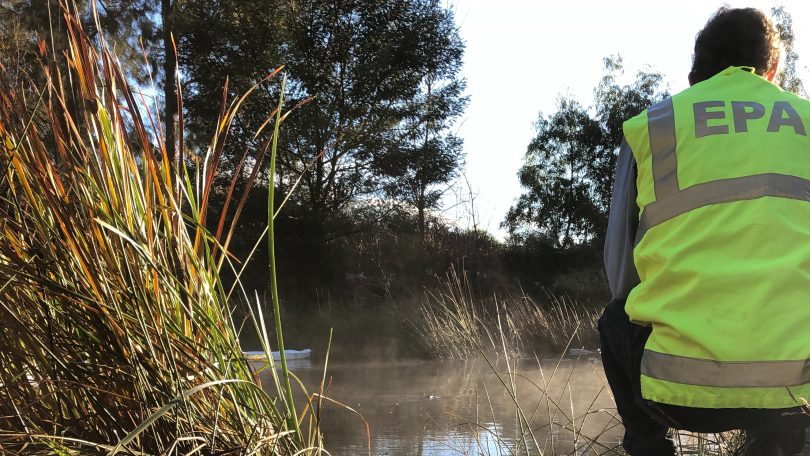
(447, 408)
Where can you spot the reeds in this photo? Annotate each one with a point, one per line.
(553, 413)
(454, 323)
(115, 330)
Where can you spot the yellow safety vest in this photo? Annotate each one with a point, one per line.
(723, 244)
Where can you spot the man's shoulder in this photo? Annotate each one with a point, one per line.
(640, 119)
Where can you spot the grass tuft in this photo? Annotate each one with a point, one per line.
(117, 336)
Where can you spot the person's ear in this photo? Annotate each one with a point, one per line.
(771, 74)
(691, 78)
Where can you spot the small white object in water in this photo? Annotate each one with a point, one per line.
(290, 354)
(580, 352)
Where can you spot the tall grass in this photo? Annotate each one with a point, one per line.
(552, 415)
(503, 331)
(116, 333)
(453, 322)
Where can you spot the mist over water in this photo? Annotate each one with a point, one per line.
(462, 407)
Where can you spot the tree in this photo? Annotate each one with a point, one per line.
(133, 28)
(383, 74)
(559, 200)
(382, 80)
(426, 155)
(225, 47)
(375, 85)
(415, 170)
(568, 166)
(788, 79)
(615, 103)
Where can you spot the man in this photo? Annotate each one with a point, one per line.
(708, 253)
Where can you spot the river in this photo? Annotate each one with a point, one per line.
(466, 408)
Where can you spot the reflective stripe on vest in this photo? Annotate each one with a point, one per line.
(725, 374)
(661, 125)
(722, 191)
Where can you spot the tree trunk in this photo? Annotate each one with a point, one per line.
(420, 220)
(169, 79)
(422, 186)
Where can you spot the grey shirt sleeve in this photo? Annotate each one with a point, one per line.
(622, 226)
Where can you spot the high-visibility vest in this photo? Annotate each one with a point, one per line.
(723, 244)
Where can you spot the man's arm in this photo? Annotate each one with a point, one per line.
(622, 225)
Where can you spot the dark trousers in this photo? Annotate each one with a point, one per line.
(646, 423)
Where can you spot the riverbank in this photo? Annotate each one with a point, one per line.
(446, 324)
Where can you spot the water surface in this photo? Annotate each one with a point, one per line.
(452, 408)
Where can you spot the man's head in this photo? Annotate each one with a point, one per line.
(736, 37)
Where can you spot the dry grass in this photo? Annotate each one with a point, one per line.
(554, 413)
(116, 335)
(453, 323)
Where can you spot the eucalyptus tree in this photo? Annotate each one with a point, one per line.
(568, 166)
(377, 83)
(789, 79)
(385, 81)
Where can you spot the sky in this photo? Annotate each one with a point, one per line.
(522, 54)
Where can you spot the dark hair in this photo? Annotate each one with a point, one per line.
(735, 37)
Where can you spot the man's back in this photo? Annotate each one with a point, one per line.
(707, 253)
(722, 245)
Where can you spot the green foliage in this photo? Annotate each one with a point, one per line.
(373, 61)
(557, 175)
(376, 85)
(412, 173)
(568, 167)
(425, 154)
(224, 48)
(788, 79)
(377, 75)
